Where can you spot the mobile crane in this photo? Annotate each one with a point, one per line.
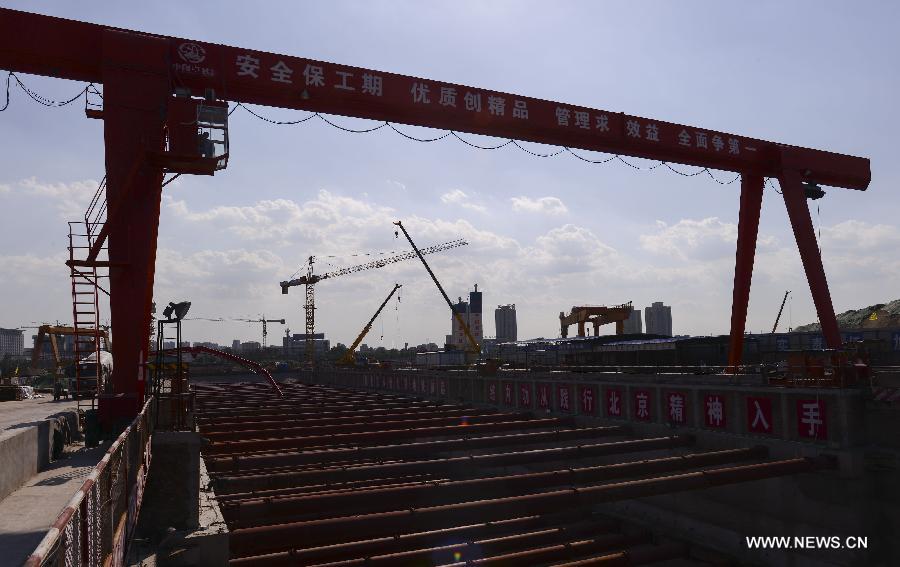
(349, 358)
(474, 347)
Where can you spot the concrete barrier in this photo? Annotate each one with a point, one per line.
(26, 451)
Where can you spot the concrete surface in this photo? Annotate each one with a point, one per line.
(15, 415)
(32, 438)
(27, 513)
(171, 498)
(157, 544)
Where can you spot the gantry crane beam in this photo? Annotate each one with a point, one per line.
(69, 49)
(140, 72)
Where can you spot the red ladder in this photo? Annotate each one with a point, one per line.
(86, 290)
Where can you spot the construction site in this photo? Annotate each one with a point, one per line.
(604, 445)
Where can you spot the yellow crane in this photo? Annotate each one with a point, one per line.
(349, 358)
(311, 279)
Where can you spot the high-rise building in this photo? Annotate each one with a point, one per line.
(236, 346)
(471, 314)
(659, 319)
(633, 325)
(12, 342)
(505, 321)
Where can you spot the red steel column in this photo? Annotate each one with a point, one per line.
(795, 201)
(748, 227)
(136, 91)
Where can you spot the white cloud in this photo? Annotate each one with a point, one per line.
(70, 199)
(460, 198)
(855, 235)
(543, 205)
(700, 239)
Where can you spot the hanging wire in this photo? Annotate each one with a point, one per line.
(92, 89)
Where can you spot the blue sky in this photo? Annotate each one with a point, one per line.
(545, 234)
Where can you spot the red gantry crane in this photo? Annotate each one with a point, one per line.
(165, 109)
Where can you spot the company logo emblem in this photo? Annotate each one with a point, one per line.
(191, 52)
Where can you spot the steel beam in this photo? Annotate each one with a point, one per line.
(748, 226)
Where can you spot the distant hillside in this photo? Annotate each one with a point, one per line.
(878, 316)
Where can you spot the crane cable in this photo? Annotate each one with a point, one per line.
(92, 89)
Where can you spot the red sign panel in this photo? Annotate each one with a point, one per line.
(293, 82)
(614, 402)
(759, 415)
(543, 396)
(642, 408)
(525, 395)
(714, 411)
(509, 396)
(587, 399)
(564, 397)
(492, 392)
(676, 408)
(812, 419)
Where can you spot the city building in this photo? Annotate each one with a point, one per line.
(251, 346)
(658, 319)
(294, 346)
(471, 314)
(235, 346)
(505, 321)
(12, 342)
(211, 345)
(169, 344)
(632, 325)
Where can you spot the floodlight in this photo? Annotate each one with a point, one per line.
(179, 310)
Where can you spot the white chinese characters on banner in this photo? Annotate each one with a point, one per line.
(472, 101)
(420, 93)
(715, 411)
(344, 82)
(520, 110)
(448, 97)
(314, 76)
(281, 73)
(496, 105)
(248, 66)
(372, 84)
(676, 408)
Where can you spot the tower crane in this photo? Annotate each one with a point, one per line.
(263, 320)
(311, 279)
(350, 356)
(473, 344)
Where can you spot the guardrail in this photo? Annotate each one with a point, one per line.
(97, 524)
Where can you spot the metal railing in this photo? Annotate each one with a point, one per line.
(98, 523)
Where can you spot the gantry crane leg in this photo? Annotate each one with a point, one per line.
(136, 90)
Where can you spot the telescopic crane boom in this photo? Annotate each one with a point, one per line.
(473, 344)
(350, 356)
(780, 309)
